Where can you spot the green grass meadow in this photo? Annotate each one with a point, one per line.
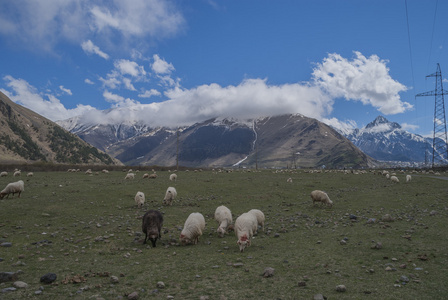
(88, 228)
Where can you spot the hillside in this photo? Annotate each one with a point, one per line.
(27, 137)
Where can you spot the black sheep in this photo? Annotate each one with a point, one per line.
(151, 225)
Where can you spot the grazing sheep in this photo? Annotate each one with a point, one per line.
(260, 217)
(245, 226)
(29, 174)
(146, 175)
(170, 194)
(152, 225)
(193, 228)
(320, 196)
(12, 188)
(139, 199)
(387, 176)
(3, 174)
(129, 176)
(289, 180)
(153, 176)
(105, 171)
(408, 178)
(173, 177)
(88, 172)
(223, 216)
(394, 179)
(17, 173)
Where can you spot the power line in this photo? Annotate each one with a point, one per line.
(409, 41)
(432, 36)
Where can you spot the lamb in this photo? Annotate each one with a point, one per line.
(320, 196)
(173, 177)
(394, 179)
(408, 178)
(153, 176)
(170, 194)
(17, 173)
(193, 228)
(129, 176)
(245, 226)
(260, 218)
(12, 188)
(223, 216)
(29, 174)
(3, 174)
(152, 223)
(139, 199)
(146, 175)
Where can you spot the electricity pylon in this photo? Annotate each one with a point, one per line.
(440, 141)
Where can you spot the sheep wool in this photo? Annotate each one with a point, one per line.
(152, 223)
(245, 226)
(394, 179)
(223, 216)
(173, 177)
(129, 176)
(3, 174)
(170, 195)
(320, 196)
(139, 199)
(260, 217)
(408, 178)
(17, 173)
(12, 188)
(193, 228)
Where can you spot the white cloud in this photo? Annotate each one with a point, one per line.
(118, 101)
(409, 127)
(127, 67)
(88, 81)
(44, 24)
(150, 93)
(344, 126)
(160, 66)
(361, 79)
(50, 107)
(67, 91)
(89, 47)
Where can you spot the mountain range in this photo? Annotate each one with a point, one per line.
(291, 140)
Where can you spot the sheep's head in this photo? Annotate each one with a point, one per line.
(2, 195)
(243, 242)
(221, 231)
(184, 240)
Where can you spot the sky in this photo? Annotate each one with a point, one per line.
(174, 62)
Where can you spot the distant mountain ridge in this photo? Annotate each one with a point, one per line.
(387, 141)
(277, 141)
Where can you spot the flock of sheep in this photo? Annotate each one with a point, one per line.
(246, 225)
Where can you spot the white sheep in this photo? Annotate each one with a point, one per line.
(260, 218)
(146, 175)
(88, 172)
(193, 228)
(408, 178)
(289, 180)
(29, 174)
(170, 195)
(173, 177)
(3, 174)
(129, 176)
(223, 216)
(12, 188)
(245, 226)
(17, 173)
(153, 176)
(320, 196)
(394, 179)
(139, 199)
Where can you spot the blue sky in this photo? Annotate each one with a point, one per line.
(179, 62)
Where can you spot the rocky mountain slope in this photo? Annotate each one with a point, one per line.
(27, 137)
(279, 141)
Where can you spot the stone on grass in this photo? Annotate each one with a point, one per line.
(133, 296)
(8, 276)
(48, 278)
(341, 288)
(113, 279)
(20, 285)
(319, 297)
(161, 285)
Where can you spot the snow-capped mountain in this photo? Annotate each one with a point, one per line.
(387, 141)
(278, 141)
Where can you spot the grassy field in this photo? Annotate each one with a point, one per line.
(87, 229)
